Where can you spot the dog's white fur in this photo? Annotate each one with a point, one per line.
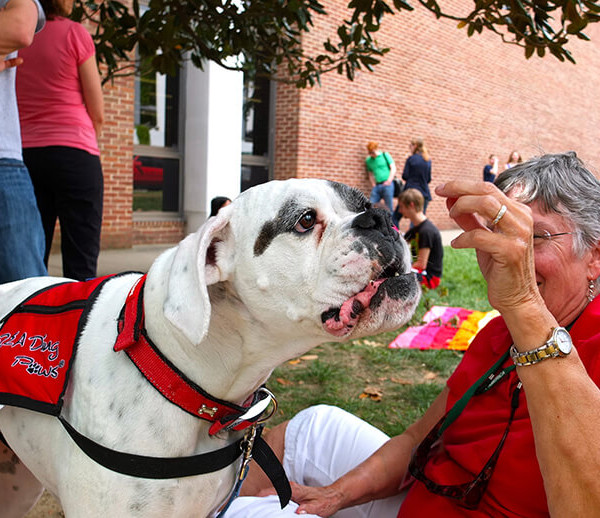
(224, 312)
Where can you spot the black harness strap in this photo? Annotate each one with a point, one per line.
(142, 466)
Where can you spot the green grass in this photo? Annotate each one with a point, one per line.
(406, 380)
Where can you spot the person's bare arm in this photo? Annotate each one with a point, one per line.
(18, 20)
(563, 401)
(92, 92)
(379, 476)
(371, 178)
(422, 258)
(495, 167)
(392, 173)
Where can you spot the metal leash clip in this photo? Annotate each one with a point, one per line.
(247, 446)
(250, 435)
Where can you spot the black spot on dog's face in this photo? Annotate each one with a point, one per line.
(284, 221)
(291, 211)
(354, 200)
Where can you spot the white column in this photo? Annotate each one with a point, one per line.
(213, 139)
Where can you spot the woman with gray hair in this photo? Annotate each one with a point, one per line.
(514, 431)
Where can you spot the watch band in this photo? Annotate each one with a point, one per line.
(558, 345)
(547, 350)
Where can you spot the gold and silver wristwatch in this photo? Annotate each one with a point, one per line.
(559, 345)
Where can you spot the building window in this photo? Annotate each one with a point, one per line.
(157, 155)
(257, 133)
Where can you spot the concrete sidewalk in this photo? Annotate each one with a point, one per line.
(140, 257)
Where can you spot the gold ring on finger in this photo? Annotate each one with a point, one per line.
(499, 216)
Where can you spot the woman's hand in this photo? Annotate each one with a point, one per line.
(9, 63)
(504, 250)
(322, 501)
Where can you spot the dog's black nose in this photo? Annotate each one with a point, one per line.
(375, 219)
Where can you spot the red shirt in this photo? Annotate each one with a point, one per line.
(516, 486)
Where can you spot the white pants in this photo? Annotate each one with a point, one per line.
(322, 443)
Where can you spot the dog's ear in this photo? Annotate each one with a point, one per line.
(194, 268)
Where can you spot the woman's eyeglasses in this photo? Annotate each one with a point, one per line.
(545, 237)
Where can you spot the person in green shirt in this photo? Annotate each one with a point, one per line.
(381, 169)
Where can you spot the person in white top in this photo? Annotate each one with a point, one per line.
(21, 233)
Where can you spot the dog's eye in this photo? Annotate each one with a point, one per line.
(306, 222)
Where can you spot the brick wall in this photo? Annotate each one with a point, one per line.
(467, 97)
(150, 232)
(116, 154)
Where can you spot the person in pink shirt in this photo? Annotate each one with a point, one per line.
(61, 110)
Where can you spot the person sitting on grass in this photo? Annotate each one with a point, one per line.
(423, 238)
(512, 433)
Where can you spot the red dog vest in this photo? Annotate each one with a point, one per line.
(38, 341)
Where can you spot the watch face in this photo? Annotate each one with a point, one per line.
(563, 340)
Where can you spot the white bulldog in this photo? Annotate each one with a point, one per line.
(287, 266)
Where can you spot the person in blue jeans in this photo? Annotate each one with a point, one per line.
(381, 169)
(21, 234)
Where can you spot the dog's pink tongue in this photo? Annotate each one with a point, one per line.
(343, 323)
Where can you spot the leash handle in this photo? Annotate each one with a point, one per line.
(270, 464)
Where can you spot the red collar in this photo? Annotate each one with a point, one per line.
(170, 381)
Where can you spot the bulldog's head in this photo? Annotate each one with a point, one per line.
(309, 257)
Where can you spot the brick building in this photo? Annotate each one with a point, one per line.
(466, 97)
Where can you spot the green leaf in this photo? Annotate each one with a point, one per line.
(269, 34)
(402, 4)
(529, 50)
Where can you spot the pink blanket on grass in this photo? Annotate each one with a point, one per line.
(444, 328)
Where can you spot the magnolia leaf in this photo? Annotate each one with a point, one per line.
(372, 343)
(402, 381)
(283, 381)
(374, 393)
(265, 38)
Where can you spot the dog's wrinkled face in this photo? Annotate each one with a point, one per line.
(315, 253)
